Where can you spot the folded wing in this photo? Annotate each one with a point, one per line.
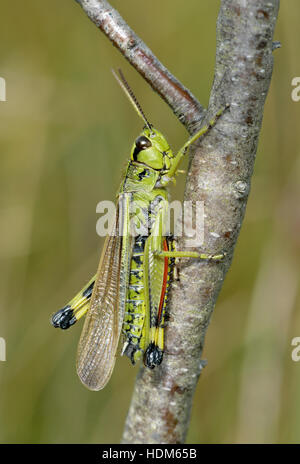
(101, 331)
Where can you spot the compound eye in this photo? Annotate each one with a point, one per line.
(142, 142)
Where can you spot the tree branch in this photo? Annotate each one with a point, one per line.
(184, 105)
(219, 175)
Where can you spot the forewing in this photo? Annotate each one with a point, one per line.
(101, 331)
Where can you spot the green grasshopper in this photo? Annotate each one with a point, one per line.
(129, 292)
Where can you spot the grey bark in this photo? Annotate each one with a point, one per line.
(184, 105)
(219, 175)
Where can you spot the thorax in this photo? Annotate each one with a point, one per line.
(140, 181)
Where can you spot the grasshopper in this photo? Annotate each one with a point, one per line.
(129, 293)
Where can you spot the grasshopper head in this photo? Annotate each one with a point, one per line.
(152, 149)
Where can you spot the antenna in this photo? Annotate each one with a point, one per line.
(132, 98)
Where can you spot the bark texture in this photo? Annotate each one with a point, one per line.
(184, 105)
(220, 174)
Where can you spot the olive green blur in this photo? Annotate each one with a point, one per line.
(66, 131)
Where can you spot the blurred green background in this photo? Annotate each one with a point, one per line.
(65, 133)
